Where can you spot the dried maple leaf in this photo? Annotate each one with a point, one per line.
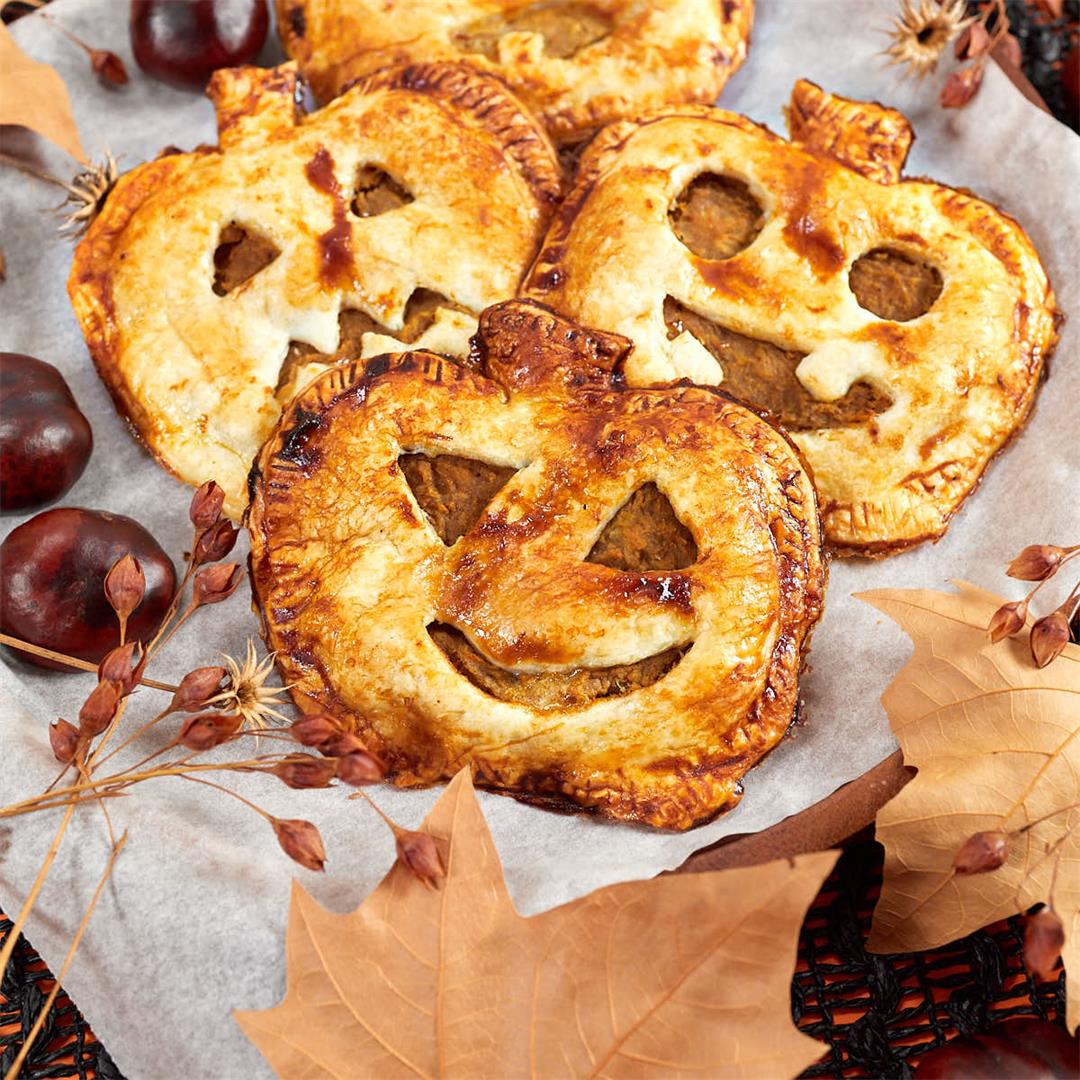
(996, 742)
(33, 96)
(685, 973)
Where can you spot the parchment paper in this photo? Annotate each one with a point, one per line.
(192, 924)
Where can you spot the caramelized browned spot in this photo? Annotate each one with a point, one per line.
(239, 256)
(894, 286)
(716, 216)
(645, 535)
(353, 323)
(566, 28)
(376, 191)
(452, 491)
(763, 375)
(550, 689)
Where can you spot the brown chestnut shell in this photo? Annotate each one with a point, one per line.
(52, 575)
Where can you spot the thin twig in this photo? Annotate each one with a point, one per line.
(229, 791)
(42, 1015)
(42, 874)
(73, 661)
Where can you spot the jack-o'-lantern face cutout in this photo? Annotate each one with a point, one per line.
(577, 64)
(897, 328)
(582, 591)
(211, 279)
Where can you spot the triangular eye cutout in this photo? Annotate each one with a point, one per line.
(452, 491)
(644, 535)
(239, 256)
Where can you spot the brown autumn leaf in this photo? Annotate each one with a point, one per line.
(33, 96)
(684, 973)
(996, 741)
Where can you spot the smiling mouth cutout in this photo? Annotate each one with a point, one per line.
(644, 535)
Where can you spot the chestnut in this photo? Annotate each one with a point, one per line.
(45, 441)
(52, 582)
(184, 41)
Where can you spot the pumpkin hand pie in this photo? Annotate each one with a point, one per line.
(897, 328)
(212, 281)
(586, 593)
(577, 65)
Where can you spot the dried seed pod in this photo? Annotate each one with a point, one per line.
(207, 730)
(216, 583)
(215, 542)
(196, 688)
(1008, 620)
(960, 86)
(305, 771)
(206, 505)
(982, 852)
(1044, 938)
(360, 768)
(342, 744)
(300, 840)
(315, 730)
(1049, 636)
(1036, 562)
(64, 740)
(125, 585)
(417, 852)
(973, 42)
(99, 708)
(108, 66)
(119, 665)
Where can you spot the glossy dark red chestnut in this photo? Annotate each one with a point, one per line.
(1015, 1050)
(45, 441)
(52, 577)
(184, 41)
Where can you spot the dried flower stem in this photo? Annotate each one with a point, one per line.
(73, 661)
(117, 782)
(47, 1004)
(31, 898)
(228, 791)
(38, 174)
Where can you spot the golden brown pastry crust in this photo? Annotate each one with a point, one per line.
(349, 573)
(197, 373)
(655, 54)
(961, 377)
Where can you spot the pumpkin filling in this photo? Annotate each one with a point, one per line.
(376, 191)
(894, 286)
(716, 216)
(239, 256)
(763, 375)
(643, 535)
(420, 312)
(566, 28)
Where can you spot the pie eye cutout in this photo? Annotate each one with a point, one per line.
(376, 192)
(763, 375)
(566, 28)
(894, 286)
(550, 689)
(453, 491)
(645, 534)
(420, 313)
(241, 253)
(716, 216)
(645, 695)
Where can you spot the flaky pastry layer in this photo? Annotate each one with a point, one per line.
(198, 373)
(960, 378)
(350, 574)
(577, 65)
